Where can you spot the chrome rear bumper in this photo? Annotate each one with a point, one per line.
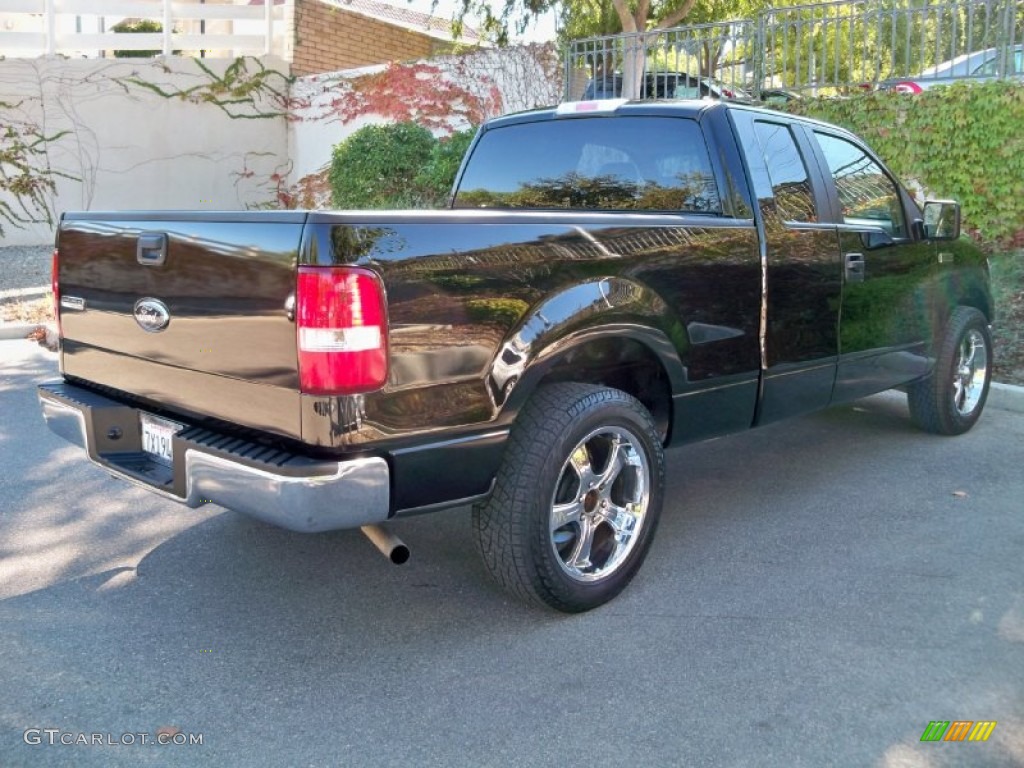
(287, 490)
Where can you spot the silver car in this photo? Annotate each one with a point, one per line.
(979, 65)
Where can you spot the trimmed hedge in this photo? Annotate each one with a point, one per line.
(438, 175)
(376, 165)
(499, 311)
(963, 141)
(400, 165)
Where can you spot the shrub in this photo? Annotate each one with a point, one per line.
(376, 167)
(498, 311)
(396, 166)
(438, 175)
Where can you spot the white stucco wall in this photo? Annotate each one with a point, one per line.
(223, 134)
(501, 80)
(108, 140)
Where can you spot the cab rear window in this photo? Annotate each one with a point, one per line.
(621, 163)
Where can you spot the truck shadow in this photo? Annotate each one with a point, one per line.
(230, 580)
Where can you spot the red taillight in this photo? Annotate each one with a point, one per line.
(342, 330)
(55, 287)
(907, 87)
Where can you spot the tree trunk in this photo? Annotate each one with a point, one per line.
(633, 61)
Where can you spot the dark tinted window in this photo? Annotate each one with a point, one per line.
(604, 87)
(866, 195)
(791, 186)
(600, 163)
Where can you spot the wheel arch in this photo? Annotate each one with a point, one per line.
(968, 286)
(612, 331)
(975, 295)
(638, 360)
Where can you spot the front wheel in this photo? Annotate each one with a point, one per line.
(951, 399)
(576, 502)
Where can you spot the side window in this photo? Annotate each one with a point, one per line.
(1014, 63)
(866, 195)
(987, 67)
(991, 65)
(794, 198)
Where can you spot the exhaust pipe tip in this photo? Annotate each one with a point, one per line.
(399, 554)
(389, 545)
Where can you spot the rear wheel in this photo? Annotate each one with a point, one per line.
(577, 500)
(951, 399)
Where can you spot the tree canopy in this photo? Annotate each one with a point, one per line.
(587, 18)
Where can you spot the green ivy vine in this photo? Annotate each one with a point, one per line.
(26, 180)
(963, 141)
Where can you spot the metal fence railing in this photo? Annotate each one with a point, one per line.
(681, 62)
(822, 48)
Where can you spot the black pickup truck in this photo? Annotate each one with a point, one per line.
(672, 272)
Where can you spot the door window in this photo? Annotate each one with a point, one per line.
(791, 186)
(867, 196)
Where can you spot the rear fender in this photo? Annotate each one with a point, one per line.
(607, 308)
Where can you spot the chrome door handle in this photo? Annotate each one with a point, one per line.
(854, 264)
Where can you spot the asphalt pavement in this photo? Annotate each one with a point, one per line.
(819, 592)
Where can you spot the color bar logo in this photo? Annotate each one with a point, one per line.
(958, 730)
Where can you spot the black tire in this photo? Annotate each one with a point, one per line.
(951, 399)
(609, 506)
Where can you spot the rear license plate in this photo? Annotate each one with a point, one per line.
(157, 437)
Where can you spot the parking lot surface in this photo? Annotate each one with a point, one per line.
(819, 591)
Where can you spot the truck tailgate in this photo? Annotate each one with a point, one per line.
(226, 348)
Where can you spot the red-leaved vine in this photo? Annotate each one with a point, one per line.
(439, 100)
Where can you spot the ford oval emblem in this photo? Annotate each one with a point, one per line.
(152, 315)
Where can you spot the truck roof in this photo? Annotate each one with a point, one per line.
(675, 107)
(692, 108)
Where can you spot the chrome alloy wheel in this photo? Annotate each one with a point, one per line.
(600, 503)
(970, 373)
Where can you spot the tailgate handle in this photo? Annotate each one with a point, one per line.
(152, 249)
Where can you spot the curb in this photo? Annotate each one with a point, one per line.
(1006, 397)
(16, 330)
(24, 294)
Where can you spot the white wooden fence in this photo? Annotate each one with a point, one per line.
(81, 27)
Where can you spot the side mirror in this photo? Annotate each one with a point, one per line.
(941, 220)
